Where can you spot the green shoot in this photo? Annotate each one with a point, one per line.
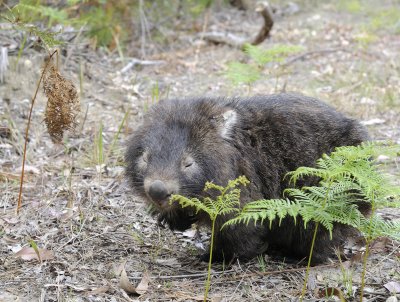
(241, 73)
(227, 202)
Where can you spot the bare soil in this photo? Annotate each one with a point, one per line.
(81, 209)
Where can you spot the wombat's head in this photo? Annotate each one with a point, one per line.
(181, 145)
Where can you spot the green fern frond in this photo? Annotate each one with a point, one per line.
(189, 202)
(227, 202)
(46, 37)
(374, 227)
(347, 175)
(239, 73)
(261, 210)
(276, 53)
(53, 14)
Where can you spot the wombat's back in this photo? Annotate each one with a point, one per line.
(185, 142)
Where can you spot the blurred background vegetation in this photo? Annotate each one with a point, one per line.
(112, 23)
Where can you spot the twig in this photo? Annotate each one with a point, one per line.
(19, 204)
(311, 53)
(230, 39)
(205, 24)
(265, 11)
(230, 278)
(69, 51)
(185, 276)
(144, 26)
(134, 62)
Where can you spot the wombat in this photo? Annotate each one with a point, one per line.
(185, 142)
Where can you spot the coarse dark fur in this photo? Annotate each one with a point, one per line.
(185, 142)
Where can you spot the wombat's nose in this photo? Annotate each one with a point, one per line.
(158, 191)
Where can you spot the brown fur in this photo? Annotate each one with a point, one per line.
(184, 143)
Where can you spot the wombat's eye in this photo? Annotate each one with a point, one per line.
(187, 162)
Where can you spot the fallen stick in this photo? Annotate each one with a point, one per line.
(227, 38)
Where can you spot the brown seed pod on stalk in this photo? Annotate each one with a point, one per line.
(63, 103)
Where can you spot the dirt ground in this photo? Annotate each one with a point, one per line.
(79, 209)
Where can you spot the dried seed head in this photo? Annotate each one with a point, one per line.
(62, 105)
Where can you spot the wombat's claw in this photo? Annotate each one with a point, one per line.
(161, 222)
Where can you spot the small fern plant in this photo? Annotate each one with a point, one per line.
(227, 202)
(347, 175)
(248, 73)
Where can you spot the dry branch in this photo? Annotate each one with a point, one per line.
(265, 11)
(226, 38)
(19, 203)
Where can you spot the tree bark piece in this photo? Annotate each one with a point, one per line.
(265, 11)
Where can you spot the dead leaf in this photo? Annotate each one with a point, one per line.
(331, 291)
(392, 299)
(125, 284)
(169, 262)
(190, 233)
(142, 287)
(357, 257)
(393, 287)
(379, 245)
(28, 254)
(144, 284)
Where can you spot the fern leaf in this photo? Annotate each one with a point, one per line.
(239, 73)
(374, 227)
(271, 209)
(276, 53)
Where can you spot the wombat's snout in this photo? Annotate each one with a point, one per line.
(159, 192)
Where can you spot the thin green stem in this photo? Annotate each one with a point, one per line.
(116, 136)
(364, 269)
(21, 49)
(303, 291)
(210, 260)
(367, 243)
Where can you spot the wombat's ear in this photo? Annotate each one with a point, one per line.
(226, 123)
